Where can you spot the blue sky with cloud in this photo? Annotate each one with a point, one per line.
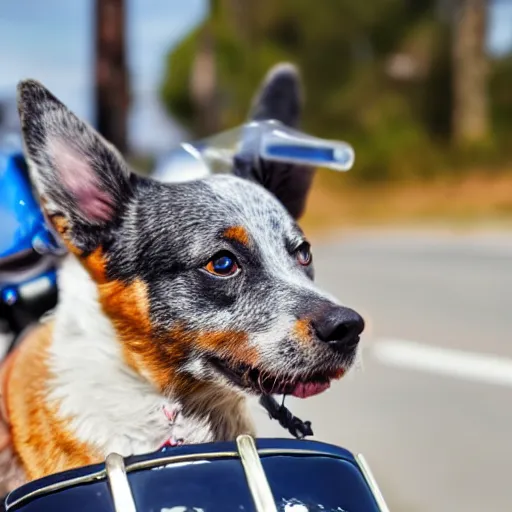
(51, 40)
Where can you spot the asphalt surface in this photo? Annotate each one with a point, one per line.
(435, 440)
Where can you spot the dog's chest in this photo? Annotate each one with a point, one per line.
(131, 421)
(165, 424)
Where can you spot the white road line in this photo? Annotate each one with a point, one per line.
(473, 366)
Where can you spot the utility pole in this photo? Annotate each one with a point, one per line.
(112, 80)
(203, 85)
(471, 122)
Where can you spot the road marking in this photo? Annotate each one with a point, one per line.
(474, 366)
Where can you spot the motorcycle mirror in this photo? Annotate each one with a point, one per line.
(258, 141)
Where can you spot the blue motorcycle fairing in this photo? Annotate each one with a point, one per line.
(303, 475)
(21, 216)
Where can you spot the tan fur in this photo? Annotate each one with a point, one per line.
(12, 473)
(127, 307)
(158, 354)
(94, 263)
(228, 413)
(302, 330)
(42, 441)
(238, 234)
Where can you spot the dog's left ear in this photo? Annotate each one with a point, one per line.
(280, 98)
(82, 181)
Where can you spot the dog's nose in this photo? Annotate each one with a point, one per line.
(340, 327)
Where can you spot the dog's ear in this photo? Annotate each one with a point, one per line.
(82, 181)
(280, 98)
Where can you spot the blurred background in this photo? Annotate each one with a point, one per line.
(416, 236)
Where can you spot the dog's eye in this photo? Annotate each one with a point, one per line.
(303, 254)
(223, 264)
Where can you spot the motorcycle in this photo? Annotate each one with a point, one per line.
(264, 475)
(261, 475)
(29, 252)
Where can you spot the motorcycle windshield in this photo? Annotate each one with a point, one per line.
(258, 141)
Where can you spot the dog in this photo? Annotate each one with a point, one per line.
(177, 301)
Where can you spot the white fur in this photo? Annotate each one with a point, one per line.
(111, 406)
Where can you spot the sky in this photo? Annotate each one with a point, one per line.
(50, 40)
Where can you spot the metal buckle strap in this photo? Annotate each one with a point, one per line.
(119, 484)
(255, 474)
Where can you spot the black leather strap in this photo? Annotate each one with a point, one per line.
(297, 428)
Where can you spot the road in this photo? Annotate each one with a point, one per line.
(431, 407)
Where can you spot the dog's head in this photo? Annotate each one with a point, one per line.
(207, 281)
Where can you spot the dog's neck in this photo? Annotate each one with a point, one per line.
(109, 405)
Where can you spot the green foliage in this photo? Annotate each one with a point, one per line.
(175, 85)
(501, 98)
(400, 128)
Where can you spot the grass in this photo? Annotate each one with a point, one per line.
(476, 200)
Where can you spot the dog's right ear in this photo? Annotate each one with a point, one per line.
(280, 98)
(82, 181)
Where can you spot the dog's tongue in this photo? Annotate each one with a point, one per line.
(307, 389)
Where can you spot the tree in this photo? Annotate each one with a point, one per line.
(397, 123)
(203, 84)
(112, 87)
(335, 46)
(470, 73)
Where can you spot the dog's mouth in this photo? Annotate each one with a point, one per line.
(262, 382)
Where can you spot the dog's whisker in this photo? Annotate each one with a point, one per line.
(260, 383)
(274, 383)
